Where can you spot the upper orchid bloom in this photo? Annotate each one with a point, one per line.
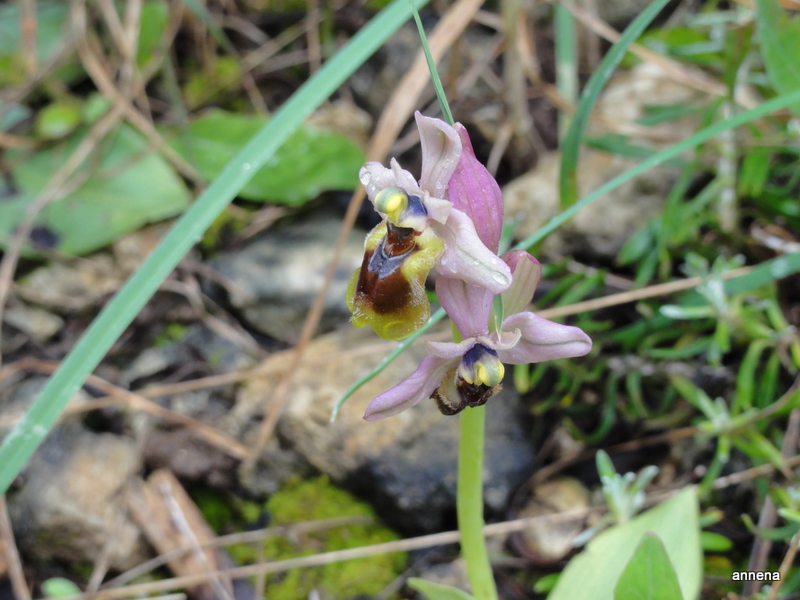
(421, 229)
(468, 373)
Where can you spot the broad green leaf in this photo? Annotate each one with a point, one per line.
(51, 26)
(310, 162)
(58, 587)
(779, 37)
(649, 574)
(129, 187)
(436, 591)
(593, 573)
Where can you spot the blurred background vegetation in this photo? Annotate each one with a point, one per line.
(116, 115)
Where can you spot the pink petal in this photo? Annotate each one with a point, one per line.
(413, 389)
(526, 272)
(542, 340)
(465, 257)
(441, 150)
(438, 209)
(451, 350)
(473, 190)
(467, 305)
(448, 350)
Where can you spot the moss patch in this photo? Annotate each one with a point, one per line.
(318, 499)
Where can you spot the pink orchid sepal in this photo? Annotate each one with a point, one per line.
(420, 229)
(523, 337)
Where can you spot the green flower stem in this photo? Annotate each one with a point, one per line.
(470, 503)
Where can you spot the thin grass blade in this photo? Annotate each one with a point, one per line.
(568, 180)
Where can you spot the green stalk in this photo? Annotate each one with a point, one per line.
(469, 495)
(470, 503)
(566, 62)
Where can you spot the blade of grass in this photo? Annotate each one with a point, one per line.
(568, 180)
(437, 81)
(29, 433)
(566, 63)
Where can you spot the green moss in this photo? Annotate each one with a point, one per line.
(318, 499)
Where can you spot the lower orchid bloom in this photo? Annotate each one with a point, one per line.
(420, 229)
(465, 374)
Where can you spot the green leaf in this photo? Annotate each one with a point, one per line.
(593, 573)
(779, 37)
(649, 574)
(58, 587)
(436, 591)
(310, 162)
(128, 188)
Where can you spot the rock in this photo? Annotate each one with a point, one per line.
(190, 458)
(197, 343)
(453, 574)
(72, 504)
(277, 277)
(39, 324)
(547, 542)
(74, 287)
(131, 250)
(17, 398)
(600, 229)
(343, 117)
(405, 465)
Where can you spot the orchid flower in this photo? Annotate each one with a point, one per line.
(468, 373)
(421, 229)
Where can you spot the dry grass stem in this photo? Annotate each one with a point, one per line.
(18, 583)
(135, 401)
(394, 116)
(786, 564)
(29, 27)
(103, 560)
(769, 512)
(326, 558)
(662, 289)
(516, 95)
(104, 83)
(312, 37)
(239, 538)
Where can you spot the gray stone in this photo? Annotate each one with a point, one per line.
(72, 502)
(406, 465)
(73, 287)
(197, 343)
(277, 277)
(17, 395)
(39, 324)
